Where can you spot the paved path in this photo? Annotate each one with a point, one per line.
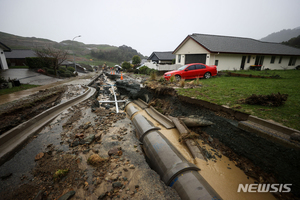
(26, 76)
(45, 83)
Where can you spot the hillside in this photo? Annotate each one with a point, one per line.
(80, 49)
(283, 35)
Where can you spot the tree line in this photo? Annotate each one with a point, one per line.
(122, 53)
(294, 42)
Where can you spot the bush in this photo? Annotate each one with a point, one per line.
(37, 62)
(142, 70)
(50, 71)
(71, 69)
(126, 65)
(61, 71)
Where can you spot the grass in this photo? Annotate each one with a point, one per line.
(228, 90)
(97, 62)
(16, 89)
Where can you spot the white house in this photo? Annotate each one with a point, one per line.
(162, 61)
(230, 53)
(3, 63)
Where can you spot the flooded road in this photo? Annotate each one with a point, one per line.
(28, 76)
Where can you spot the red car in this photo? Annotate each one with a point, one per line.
(192, 71)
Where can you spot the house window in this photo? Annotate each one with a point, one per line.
(259, 60)
(216, 62)
(280, 58)
(292, 60)
(248, 60)
(179, 58)
(273, 59)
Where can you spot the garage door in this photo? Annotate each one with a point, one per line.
(195, 58)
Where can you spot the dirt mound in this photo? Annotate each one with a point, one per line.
(266, 100)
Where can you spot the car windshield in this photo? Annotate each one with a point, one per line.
(182, 68)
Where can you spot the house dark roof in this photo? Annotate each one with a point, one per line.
(19, 53)
(228, 44)
(166, 55)
(4, 47)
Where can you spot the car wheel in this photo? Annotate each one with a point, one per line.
(207, 75)
(177, 77)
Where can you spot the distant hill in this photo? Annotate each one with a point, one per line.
(283, 35)
(80, 49)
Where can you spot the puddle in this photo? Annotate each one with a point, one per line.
(225, 177)
(23, 162)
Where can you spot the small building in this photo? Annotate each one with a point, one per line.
(3, 63)
(230, 53)
(162, 57)
(17, 57)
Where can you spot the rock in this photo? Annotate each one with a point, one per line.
(113, 151)
(67, 195)
(295, 136)
(89, 139)
(95, 104)
(95, 159)
(131, 167)
(114, 177)
(117, 184)
(194, 121)
(87, 125)
(39, 156)
(5, 176)
(125, 169)
(74, 144)
(39, 195)
(102, 196)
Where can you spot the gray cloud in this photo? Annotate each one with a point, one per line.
(156, 25)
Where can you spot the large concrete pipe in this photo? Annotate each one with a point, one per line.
(168, 162)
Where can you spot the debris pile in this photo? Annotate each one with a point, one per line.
(266, 100)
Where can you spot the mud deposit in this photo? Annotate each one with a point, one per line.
(95, 153)
(14, 113)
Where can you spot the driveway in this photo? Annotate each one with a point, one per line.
(27, 76)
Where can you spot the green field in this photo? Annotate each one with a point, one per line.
(227, 91)
(16, 89)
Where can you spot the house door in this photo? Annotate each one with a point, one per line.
(243, 62)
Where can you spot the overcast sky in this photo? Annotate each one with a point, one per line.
(145, 25)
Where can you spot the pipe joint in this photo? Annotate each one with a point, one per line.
(177, 169)
(143, 126)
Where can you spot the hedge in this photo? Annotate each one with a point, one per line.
(37, 62)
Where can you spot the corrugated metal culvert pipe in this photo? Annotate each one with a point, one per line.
(174, 170)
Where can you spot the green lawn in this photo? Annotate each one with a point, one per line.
(228, 90)
(16, 89)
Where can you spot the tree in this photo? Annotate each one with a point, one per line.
(136, 60)
(48, 53)
(126, 65)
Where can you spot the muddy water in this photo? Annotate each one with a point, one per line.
(225, 177)
(23, 162)
(222, 175)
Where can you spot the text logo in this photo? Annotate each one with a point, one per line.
(276, 187)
